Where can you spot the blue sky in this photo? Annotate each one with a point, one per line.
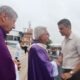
(46, 13)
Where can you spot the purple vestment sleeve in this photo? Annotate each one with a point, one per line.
(39, 66)
(7, 69)
(43, 55)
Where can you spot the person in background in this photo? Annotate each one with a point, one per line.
(7, 22)
(24, 45)
(39, 65)
(70, 51)
(21, 57)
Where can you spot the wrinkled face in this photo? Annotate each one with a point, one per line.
(63, 29)
(7, 23)
(44, 37)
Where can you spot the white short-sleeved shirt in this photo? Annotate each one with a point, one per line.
(71, 52)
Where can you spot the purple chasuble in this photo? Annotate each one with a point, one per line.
(39, 66)
(7, 68)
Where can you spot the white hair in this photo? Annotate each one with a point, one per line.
(8, 11)
(38, 31)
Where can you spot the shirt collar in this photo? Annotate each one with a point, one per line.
(42, 45)
(71, 36)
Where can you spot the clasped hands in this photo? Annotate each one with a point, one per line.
(66, 75)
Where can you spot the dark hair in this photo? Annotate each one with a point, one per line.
(65, 22)
(25, 48)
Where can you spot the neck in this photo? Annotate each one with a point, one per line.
(67, 35)
(42, 42)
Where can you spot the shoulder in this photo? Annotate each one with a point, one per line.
(76, 38)
(34, 46)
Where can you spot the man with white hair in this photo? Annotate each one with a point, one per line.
(7, 22)
(39, 66)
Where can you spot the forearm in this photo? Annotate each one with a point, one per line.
(76, 69)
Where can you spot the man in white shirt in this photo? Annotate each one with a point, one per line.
(70, 51)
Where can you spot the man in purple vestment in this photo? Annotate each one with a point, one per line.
(39, 66)
(7, 20)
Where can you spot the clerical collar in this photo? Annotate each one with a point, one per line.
(42, 45)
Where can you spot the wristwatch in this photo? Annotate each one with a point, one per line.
(71, 72)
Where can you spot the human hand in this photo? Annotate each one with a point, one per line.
(17, 62)
(63, 76)
(66, 76)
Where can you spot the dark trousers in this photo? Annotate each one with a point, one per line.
(75, 76)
